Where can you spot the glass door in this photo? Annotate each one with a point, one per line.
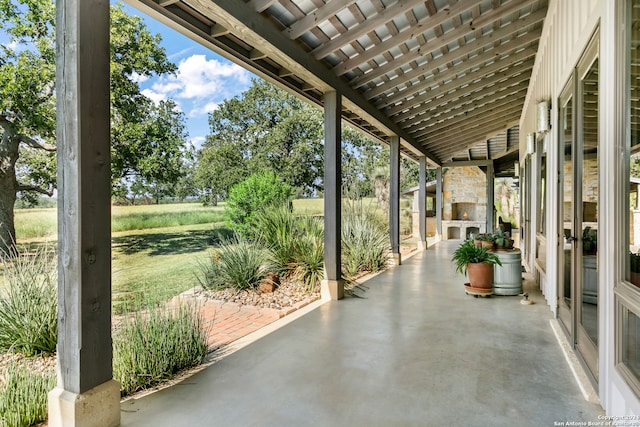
(578, 209)
(565, 168)
(587, 214)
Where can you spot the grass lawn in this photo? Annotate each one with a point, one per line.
(154, 265)
(156, 249)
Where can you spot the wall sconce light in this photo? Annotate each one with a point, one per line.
(531, 143)
(544, 123)
(516, 169)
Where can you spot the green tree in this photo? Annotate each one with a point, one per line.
(27, 102)
(263, 129)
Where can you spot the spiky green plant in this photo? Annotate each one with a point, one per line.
(277, 229)
(153, 345)
(23, 396)
(309, 251)
(28, 302)
(365, 244)
(236, 263)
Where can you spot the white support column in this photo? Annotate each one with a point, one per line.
(490, 198)
(332, 285)
(86, 394)
(394, 198)
(422, 204)
(439, 203)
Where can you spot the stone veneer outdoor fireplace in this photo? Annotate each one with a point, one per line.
(464, 203)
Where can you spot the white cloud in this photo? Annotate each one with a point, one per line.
(153, 95)
(197, 141)
(200, 78)
(138, 78)
(204, 109)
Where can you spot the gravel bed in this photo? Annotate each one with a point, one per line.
(41, 363)
(287, 294)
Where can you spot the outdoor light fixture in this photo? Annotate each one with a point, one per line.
(531, 143)
(543, 117)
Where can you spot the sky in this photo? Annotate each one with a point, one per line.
(203, 80)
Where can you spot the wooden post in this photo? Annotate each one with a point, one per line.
(332, 285)
(439, 203)
(85, 394)
(422, 204)
(394, 198)
(490, 198)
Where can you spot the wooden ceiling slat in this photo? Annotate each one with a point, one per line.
(444, 94)
(316, 17)
(449, 79)
(370, 24)
(449, 37)
(402, 37)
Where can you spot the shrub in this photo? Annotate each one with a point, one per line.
(365, 244)
(153, 345)
(23, 397)
(236, 263)
(28, 303)
(256, 193)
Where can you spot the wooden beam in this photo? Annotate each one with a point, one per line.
(439, 201)
(394, 197)
(84, 352)
(260, 5)
(490, 197)
(459, 163)
(332, 286)
(468, 49)
(370, 24)
(84, 203)
(316, 17)
(256, 30)
(422, 202)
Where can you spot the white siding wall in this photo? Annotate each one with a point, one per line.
(568, 28)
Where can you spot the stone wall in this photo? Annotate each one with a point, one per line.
(467, 184)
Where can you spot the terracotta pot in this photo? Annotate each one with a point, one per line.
(480, 243)
(480, 275)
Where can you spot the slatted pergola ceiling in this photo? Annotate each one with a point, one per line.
(447, 77)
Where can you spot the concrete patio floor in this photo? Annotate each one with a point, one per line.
(407, 349)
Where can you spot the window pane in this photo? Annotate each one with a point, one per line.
(634, 158)
(631, 341)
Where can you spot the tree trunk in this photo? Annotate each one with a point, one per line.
(8, 188)
(7, 202)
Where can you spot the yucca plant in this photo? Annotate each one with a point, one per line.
(28, 303)
(365, 244)
(236, 263)
(277, 229)
(309, 251)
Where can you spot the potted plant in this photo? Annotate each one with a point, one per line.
(484, 239)
(476, 262)
(503, 240)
